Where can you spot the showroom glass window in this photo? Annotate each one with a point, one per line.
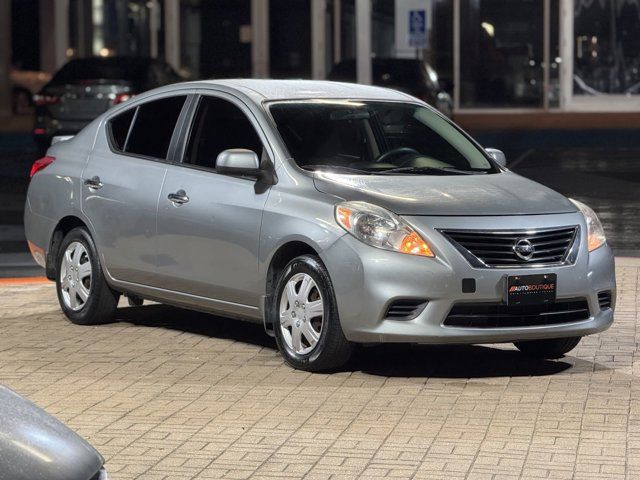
(607, 48)
(501, 53)
(114, 28)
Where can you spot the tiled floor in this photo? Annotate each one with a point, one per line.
(170, 394)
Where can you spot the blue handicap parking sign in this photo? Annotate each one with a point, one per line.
(417, 28)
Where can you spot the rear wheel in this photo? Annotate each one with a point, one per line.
(83, 293)
(305, 318)
(550, 348)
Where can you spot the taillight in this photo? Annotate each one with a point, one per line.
(41, 99)
(40, 164)
(122, 97)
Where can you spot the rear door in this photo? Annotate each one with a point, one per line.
(208, 244)
(121, 184)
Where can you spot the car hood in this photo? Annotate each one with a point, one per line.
(33, 444)
(496, 194)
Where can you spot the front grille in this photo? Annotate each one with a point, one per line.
(604, 299)
(405, 309)
(497, 248)
(497, 315)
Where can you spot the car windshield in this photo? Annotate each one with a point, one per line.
(370, 137)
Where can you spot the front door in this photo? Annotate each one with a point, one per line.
(209, 224)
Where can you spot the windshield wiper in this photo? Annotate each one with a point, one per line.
(440, 171)
(341, 168)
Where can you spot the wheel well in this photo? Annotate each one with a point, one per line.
(63, 227)
(281, 258)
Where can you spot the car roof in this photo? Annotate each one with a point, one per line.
(266, 90)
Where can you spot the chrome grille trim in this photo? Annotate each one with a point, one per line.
(495, 248)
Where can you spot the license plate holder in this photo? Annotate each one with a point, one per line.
(531, 289)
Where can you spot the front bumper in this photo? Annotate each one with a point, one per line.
(367, 280)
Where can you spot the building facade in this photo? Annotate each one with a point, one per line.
(492, 55)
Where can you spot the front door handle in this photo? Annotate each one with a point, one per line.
(94, 183)
(179, 197)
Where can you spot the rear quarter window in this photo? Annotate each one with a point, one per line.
(119, 128)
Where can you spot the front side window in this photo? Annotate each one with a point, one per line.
(153, 127)
(376, 137)
(219, 125)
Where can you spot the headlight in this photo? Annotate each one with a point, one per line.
(594, 227)
(380, 228)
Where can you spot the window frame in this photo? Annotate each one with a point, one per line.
(175, 136)
(189, 124)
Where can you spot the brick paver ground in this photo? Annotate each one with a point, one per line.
(170, 394)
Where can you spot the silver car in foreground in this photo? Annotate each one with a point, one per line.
(335, 214)
(34, 445)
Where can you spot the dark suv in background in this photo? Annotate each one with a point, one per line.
(87, 87)
(411, 76)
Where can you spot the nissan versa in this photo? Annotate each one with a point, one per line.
(336, 214)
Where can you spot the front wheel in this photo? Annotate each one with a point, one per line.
(550, 348)
(305, 318)
(83, 293)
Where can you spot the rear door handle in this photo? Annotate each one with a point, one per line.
(178, 198)
(93, 183)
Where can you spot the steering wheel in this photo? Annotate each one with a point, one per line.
(396, 151)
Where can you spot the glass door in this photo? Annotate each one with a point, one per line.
(607, 48)
(507, 54)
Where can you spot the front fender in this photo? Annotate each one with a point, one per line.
(290, 217)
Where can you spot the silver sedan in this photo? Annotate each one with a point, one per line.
(334, 214)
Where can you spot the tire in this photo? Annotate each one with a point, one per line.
(550, 348)
(72, 281)
(331, 350)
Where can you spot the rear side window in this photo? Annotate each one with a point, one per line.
(153, 127)
(119, 128)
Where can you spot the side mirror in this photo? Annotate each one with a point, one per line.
(497, 155)
(238, 161)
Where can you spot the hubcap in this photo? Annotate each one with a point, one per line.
(75, 276)
(301, 313)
